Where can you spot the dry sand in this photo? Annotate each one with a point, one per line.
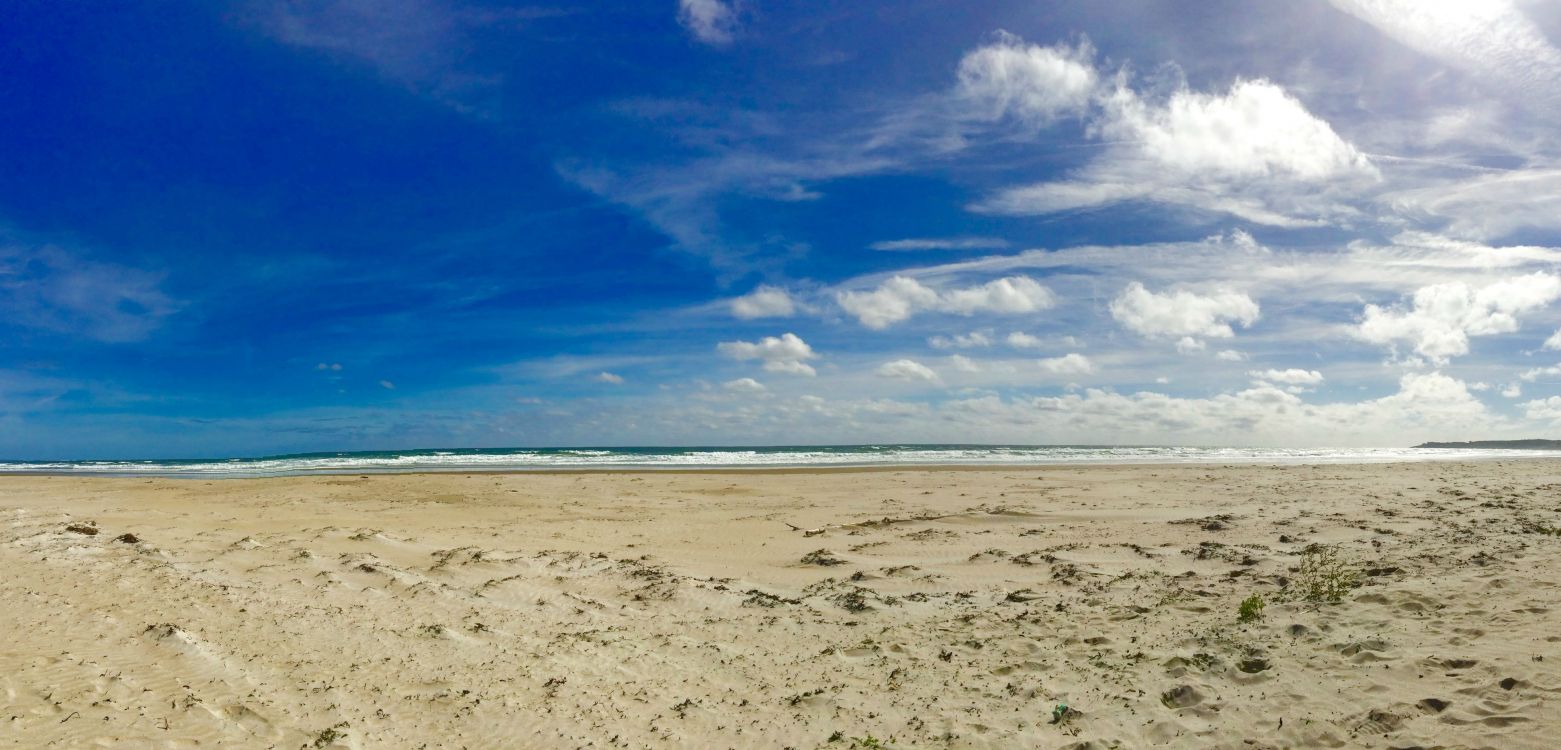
(949, 608)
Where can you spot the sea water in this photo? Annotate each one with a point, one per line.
(712, 457)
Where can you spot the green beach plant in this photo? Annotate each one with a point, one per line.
(1323, 577)
(1251, 609)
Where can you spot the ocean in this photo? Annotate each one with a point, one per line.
(797, 456)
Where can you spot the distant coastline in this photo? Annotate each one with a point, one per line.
(1519, 445)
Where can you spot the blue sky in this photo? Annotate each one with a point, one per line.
(263, 227)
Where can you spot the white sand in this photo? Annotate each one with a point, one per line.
(674, 610)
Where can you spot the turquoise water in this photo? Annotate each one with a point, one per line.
(533, 459)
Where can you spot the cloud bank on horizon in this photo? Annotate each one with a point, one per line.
(716, 221)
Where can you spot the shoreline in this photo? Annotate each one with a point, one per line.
(786, 469)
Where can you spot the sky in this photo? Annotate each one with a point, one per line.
(241, 228)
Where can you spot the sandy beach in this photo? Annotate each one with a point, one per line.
(808, 609)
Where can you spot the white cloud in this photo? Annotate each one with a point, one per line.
(608, 377)
(1183, 313)
(744, 385)
(1190, 345)
(1487, 206)
(970, 340)
(1254, 152)
(333, 366)
(1491, 39)
(1229, 355)
(1292, 376)
(1067, 364)
(1426, 406)
(710, 21)
(1536, 373)
(1513, 390)
(431, 48)
(895, 300)
(1033, 83)
(1544, 408)
(764, 302)
(1015, 294)
(1441, 317)
(48, 288)
(900, 297)
(1254, 131)
(906, 369)
(784, 354)
(941, 243)
(387, 385)
(962, 363)
(1554, 342)
(1022, 340)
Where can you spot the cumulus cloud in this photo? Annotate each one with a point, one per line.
(1253, 152)
(1022, 340)
(962, 363)
(1010, 78)
(1183, 313)
(784, 354)
(1533, 374)
(1425, 406)
(901, 297)
(906, 369)
(713, 22)
(1294, 380)
(970, 340)
(1513, 390)
(941, 243)
(1067, 364)
(764, 302)
(895, 300)
(1229, 355)
(1548, 409)
(1440, 318)
(744, 385)
(1292, 376)
(387, 385)
(1015, 294)
(609, 378)
(1256, 130)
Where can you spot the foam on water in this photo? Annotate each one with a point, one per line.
(741, 457)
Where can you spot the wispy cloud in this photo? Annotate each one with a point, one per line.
(45, 287)
(427, 46)
(941, 243)
(713, 22)
(1493, 40)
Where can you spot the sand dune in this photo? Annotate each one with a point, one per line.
(906, 608)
